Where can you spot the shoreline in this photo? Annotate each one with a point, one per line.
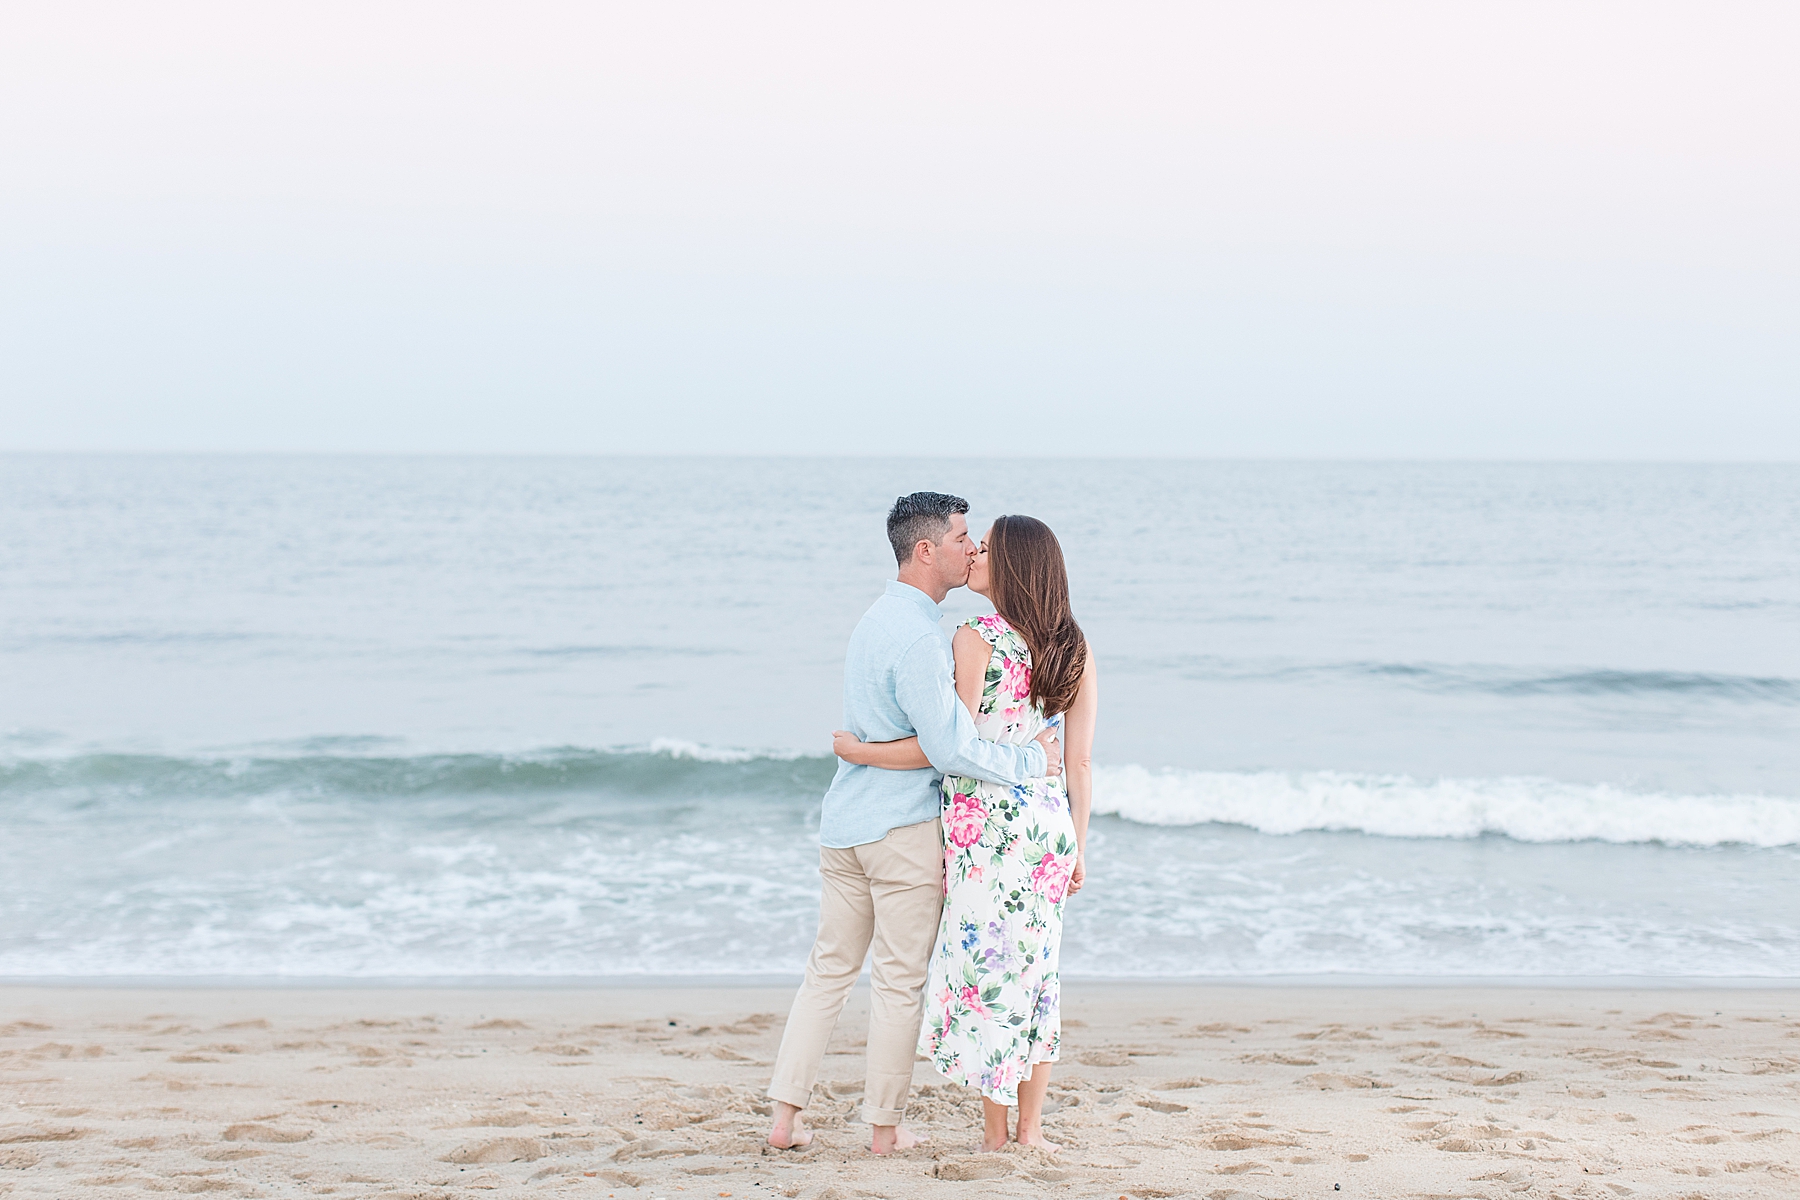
(525, 983)
(1240, 1092)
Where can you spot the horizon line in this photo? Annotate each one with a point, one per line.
(821, 455)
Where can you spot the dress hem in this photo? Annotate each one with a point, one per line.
(1001, 1098)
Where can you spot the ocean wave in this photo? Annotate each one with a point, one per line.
(680, 748)
(1523, 809)
(665, 768)
(1506, 681)
(627, 651)
(669, 773)
(1617, 682)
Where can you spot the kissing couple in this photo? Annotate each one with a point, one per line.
(953, 832)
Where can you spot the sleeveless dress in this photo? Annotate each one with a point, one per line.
(992, 1003)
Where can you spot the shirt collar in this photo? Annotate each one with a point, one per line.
(907, 591)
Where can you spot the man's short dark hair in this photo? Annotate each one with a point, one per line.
(921, 517)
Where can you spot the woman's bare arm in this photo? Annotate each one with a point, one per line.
(903, 755)
(1078, 761)
(972, 655)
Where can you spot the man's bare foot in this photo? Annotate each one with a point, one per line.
(885, 1139)
(790, 1132)
(1037, 1141)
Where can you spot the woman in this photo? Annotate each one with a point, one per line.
(1012, 855)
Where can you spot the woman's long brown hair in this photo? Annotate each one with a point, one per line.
(1030, 588)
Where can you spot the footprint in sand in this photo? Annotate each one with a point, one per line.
(15, 1135)
(985, 1166)
(251, 1131)
(498, 1150)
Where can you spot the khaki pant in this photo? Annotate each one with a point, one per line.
(890, 892)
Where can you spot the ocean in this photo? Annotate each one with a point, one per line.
(551, 718)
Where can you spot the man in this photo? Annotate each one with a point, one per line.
(881, 853)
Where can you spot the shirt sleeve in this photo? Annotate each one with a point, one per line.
(925, 686)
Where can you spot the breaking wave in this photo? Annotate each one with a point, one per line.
(1524, 809)
(673, 773)
(664, 769)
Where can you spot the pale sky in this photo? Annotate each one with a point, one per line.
(1509, 230)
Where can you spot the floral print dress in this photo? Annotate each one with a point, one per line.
(992, 1003)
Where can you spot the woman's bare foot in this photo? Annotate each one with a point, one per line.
(1037, 1141)
(885, 1139)
(995, 1132)
(790, 1132)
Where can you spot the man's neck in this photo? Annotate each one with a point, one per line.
(919, 579)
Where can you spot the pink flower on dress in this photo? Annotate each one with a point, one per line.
(966, 820)
(999, 1077)
(1051, 876)
(975, 875)
(1015, 681)
(971, 998)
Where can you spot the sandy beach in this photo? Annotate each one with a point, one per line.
(1165, 1090)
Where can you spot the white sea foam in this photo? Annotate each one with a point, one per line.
(1525, 809)
(681, 748)
(529, 865)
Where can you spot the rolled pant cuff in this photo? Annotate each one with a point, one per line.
(882, 1116)
(790, 1095)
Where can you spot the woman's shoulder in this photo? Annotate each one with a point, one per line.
(992, 627)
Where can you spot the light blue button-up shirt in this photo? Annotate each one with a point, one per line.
(900, 680)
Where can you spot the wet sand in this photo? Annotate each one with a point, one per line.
(1164, 1090)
